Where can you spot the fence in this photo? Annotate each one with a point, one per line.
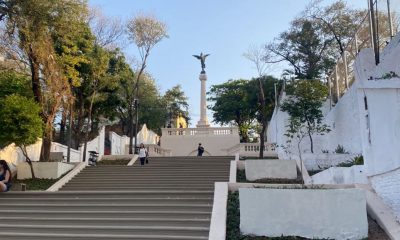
(386, 17)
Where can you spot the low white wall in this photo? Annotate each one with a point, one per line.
(97, 144)
(13, 155)
(75, 154)
(387, 186)
(340, 175)
(323, 160)
(118, 143)
(334, 214)
(214, 140)
(50, 170)
(262, 169)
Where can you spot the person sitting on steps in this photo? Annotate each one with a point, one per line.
(200, 150)
(142, 154)
(5, 176)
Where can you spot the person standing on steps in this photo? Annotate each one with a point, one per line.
(5, 176)
(142, 154)
(200, 150)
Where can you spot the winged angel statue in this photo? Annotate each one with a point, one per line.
(202, 58)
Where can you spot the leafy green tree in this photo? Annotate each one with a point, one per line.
(14, 83)
(234, 103)
(36, 25)
(20, 123)
(304, 102)
(303, 48)
(176, 102)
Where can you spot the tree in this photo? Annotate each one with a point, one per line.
(36, 25)
(20, 123)
(305, 98)
(257, 56)
(176, 102)
(234, 103)
(145, 32)
(303, 47)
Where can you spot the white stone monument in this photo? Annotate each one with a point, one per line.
(203, 122)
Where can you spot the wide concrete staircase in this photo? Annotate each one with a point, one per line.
(170, 198)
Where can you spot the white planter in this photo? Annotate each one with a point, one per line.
(51, 170)
(327, 213)
(262, 169)
(315, 161)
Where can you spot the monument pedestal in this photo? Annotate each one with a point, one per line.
(203, 122)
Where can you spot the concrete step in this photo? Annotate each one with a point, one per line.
(111, 206)
(122, 200)
(109, 194)
(69, 236)
(163, 222)
(110, 230)
(130, 188)
(107, 213)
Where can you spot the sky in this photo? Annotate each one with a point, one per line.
(223, 28)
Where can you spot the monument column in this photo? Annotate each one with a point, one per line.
(203, 122)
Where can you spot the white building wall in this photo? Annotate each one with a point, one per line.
(97, 144)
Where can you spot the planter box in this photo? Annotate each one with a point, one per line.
(315, 161)
(51, 170)
(277, 169)
(311, 213)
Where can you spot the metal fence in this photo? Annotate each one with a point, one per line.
(386, 15)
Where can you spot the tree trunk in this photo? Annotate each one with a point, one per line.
(88, 127)
(28, 160)
(262, 140)
(130, 127)
(311, 142)
(35, 68)
(46, 145)
(263, 120)
(62, 126)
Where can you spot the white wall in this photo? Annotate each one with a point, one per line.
(341, 175)
(97, 144)
(118, 143)
(75, 154)
(328, 213)
(186, 144)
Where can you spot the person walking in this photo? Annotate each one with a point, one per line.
(200, 150)
(142, 154)
(5, 176)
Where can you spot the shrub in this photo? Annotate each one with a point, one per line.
(340, 149)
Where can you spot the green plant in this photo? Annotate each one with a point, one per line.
(325, 151)
(340, 149)
(358, 160)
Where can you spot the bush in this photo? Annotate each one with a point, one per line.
(340, 149)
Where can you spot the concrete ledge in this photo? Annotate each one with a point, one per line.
(378, 211)
(232, 172)
(219, 212)
(235, 186)
(60, 183)
(278, 169)
(133, 160)
(341, 214)
(52, 170)
(240, 165)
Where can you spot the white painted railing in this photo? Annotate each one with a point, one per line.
(199, 131)
(157, 151)
(252, 149)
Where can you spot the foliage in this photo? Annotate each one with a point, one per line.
(358, 160)
(340, 149)
(20, 122)
(176, 102)
(14, 83)
(145, 31)
(305, 98)
(234, 103)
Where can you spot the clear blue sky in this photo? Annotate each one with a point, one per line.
(223, 28)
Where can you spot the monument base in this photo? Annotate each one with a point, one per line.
(202, 124)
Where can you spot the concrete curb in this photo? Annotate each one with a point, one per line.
(219, 212)
(232, 172)
(133, 160)
(378, 211)
(60, 183)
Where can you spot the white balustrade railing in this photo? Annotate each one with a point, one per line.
(252, 149)
(199, 131)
